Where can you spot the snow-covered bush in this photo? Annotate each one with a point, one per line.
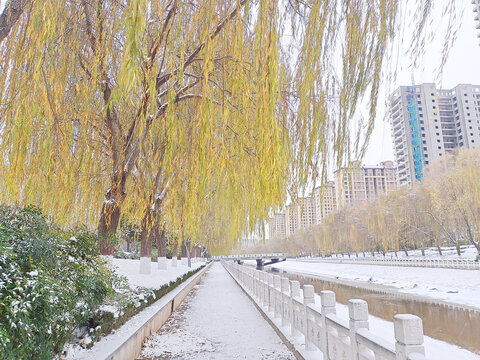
(51, 281)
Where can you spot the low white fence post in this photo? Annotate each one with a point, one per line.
(358, 314)
(286, 305)
(261, 277)
(271, 293)
(409, 335)
(308, 298)
(328, 307)
(277, 311)
(294, 292)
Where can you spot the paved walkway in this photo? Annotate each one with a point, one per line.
(216, 321)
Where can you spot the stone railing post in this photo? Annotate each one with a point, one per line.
(328, 307)
(408, 335)
(277, 311)
(358, 314)
(261, 277)
(308, 298)
(294, 292)
(286, 304)
(271, 293)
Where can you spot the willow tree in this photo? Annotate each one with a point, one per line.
(87, 87)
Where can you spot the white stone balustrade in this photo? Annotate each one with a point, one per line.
(319, 327)
(432, 263)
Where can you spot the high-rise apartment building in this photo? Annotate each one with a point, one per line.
(304, 212)
(355, 184)
(292, 219)
(428, 122)
(308, 216)
(277, 225)
(325, 201)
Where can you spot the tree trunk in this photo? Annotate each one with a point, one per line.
(10, 15)
(110, 214)
(161, 245)
(146, 236)
(457, 247)
(423, 251)
(107, 226)
(405, 251)
(162, 242)
(470, 236)
(439, 250)
(183, 250)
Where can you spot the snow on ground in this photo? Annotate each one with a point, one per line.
(451, 285)
(131, 270)
(216, 321)
(448, 253)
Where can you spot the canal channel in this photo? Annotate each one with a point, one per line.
(454, 325)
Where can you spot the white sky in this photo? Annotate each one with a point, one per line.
(462, 67)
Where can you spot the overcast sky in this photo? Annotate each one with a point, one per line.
(462, 67)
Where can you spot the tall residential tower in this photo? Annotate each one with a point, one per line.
(428, 122)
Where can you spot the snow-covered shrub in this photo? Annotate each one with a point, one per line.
(51, 282)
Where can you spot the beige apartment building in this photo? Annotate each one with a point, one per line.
(325, 201)
(277, 226)
(355, 184)
(305, 212)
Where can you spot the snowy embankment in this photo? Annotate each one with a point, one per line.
(451, 285)
(467, 252)
(131, 270)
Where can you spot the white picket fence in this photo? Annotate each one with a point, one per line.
(440, 263)
(321, 328)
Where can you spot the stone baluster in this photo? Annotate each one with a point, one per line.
(286, 304)
(328, 307)
(308, 298)
(271, 293)
(294, 292)
(358, 313)
(408, 335)
(277, 296)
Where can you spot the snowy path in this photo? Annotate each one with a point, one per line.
(216, 321)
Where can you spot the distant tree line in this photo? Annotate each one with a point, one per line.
(443, 209)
